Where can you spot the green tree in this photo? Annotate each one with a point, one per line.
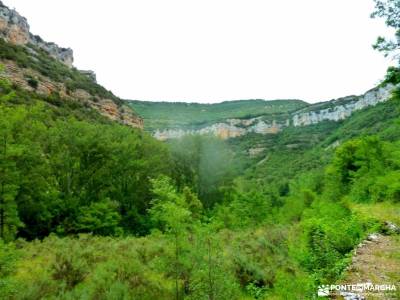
(352, 161)
(247, 204)
(204, 163)
(9, 175)
(100, 218)
(92, 162)
(8, 259)
(172, 214)
(390, 11)
(212, 276)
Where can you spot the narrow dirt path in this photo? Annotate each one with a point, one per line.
(375, 261)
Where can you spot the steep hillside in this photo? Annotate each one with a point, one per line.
(297, 149)
(239, 118)
(46, 69)
(255, 200)
(279, 233)
(15, 29)
(173, 115)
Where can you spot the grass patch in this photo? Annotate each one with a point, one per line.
(384, 211)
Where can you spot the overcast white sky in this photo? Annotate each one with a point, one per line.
(215, 50)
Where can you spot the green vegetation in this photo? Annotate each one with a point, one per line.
(214, 222)
(90, 209)
(389, 10)
(157, 115)
(206, 165)
(64, 175)
(251, 248)
(38, 60)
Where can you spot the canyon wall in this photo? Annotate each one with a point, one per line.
(46, 86)
(230, 128)
(337, 111)
(334, 110)
(15, 29)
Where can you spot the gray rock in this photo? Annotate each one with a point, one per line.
(373, 237)
(339, 111)
(334, 110)
(14, 28)
(391, 228)
(351, 296)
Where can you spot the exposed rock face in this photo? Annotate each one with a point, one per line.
(221, 130)
(341, 112)
(45, 86)
(15, 29)
(334, 110)
(122, 114)
(231, 129)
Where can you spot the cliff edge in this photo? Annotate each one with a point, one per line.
(47, 69)
(15, 29)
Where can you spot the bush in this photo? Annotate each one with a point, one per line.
(386, 187)
(392, 75)
(8, 260)
(70, 266)
(329, 233)
(33, 82)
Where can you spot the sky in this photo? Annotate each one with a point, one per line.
(215, 50)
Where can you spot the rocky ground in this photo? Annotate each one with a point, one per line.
(375, 261)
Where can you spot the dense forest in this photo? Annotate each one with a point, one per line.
(93, 209)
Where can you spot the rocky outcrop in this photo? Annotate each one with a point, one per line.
(45, 86)
(221, 130)
(122, 114)
(15, 29)
(338, 111)
(231, 128)
(334, 110)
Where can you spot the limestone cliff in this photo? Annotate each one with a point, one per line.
(34, 74)
(334, 110)
(341, 109)
(14, 28)
(228, 129)
(45, 86)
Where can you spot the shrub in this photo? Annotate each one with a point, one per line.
(8, 259)
(34, 83)
(70, 265)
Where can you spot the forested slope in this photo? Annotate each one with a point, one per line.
(92, 207)
(161, 115)
(223, 224)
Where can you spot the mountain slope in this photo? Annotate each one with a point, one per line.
(46, 69)
(278, 158)
(67, 144)
(238, 118)
(93, 209)
(164, 115)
